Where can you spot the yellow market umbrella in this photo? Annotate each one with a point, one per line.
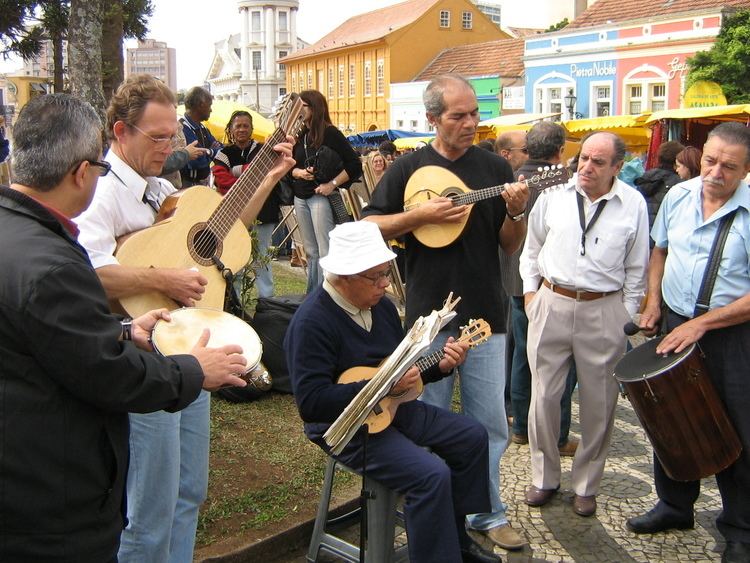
(221, 111)
(630, 128)
(739, 112)
(411, 142)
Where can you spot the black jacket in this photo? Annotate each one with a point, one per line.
(654, 185)
(66, 386)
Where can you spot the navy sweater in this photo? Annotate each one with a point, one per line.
(322, 342)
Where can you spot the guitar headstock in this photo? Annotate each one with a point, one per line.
(288, 114)
(476, 332)
(547, 177)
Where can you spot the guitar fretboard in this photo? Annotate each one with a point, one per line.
(541, 181)
(430, 360)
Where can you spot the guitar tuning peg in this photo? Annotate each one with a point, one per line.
(546, 168)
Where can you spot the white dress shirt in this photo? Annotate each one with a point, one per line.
(118, 209)
(617, 248)
(363, 317)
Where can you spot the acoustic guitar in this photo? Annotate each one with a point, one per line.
(199, 229)
(430, 182)
(381, 416)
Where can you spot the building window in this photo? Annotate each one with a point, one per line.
(413, 124)
(330, 82)
(548, 99)
(635, 102)
(445, 19)
(282, 67)
(256, 35)
(282, 31)
(400, 123)
(352, 80)
(257, 60)
(368, 78)
(658, 97)
(602, 100)
(380, 77)
(282, 91)
(341, 82)
(466, 21)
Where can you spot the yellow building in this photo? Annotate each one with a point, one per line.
(354, 65)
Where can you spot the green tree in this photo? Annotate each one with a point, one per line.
(54, 19)
(17, 36)
(728, 60)
(559, 25)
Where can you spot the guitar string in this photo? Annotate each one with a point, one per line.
(208, 237)
(485, 193)
(220, 222)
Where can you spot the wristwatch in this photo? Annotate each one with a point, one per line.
(127, 328)
(518, 217)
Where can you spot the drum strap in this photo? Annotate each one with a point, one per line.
(712, 268)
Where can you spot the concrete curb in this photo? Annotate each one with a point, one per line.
(284, 541)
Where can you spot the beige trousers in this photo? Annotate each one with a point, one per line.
(562, 329)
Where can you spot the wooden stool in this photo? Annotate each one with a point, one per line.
(381, 524)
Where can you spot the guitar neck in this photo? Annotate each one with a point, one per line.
(474, 196)
(231, 207)
(430, 360)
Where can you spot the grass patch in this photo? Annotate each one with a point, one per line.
(262, 469)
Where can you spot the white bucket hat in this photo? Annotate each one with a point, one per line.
(355, 247)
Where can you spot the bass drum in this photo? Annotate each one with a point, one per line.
(680, 411)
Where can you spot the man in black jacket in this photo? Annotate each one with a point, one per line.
(68, 376)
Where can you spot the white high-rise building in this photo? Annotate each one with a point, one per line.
(245, 67)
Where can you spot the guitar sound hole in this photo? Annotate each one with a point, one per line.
(203, 245)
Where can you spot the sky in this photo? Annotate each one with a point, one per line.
(193, 26)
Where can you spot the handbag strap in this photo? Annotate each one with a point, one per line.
(712, 267)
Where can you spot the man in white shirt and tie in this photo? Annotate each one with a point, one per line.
(584, 273)
(168, 474)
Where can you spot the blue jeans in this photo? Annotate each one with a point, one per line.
(482, 380)
(520, 379)
(315, 219)
(264, 274)
(167, 483)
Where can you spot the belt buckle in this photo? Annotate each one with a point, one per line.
(579, 295)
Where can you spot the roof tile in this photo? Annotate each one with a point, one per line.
(618, 11)
(503, 57)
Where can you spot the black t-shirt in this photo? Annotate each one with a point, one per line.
(470, 266)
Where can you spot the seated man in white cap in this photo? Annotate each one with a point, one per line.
(347, 322)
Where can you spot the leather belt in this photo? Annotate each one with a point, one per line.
(575, 294)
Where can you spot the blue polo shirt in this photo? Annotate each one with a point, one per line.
(679, 227)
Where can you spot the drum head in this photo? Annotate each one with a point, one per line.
(179, 335)
(643, 362)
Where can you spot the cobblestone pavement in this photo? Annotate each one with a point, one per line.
(557, 534)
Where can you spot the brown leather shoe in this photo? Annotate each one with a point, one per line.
(539, 497)
(584, 506)
(505, 536)
(568, 449)
(519, 439)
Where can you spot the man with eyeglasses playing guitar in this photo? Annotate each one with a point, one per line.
(468, 265)
(348, 322)
(168, 476)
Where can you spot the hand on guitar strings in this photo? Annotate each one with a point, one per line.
(143, 325)
(440, 210)
(184, 286)
(410, 379)
(516, 195)
(221, 365)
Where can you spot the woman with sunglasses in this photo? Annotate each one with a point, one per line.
(312, 184)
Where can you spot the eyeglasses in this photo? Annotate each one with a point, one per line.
(104, 167)
(162, 141)
(524, 150)
(375, 278)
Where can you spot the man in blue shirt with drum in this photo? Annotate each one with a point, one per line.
(684, 233)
